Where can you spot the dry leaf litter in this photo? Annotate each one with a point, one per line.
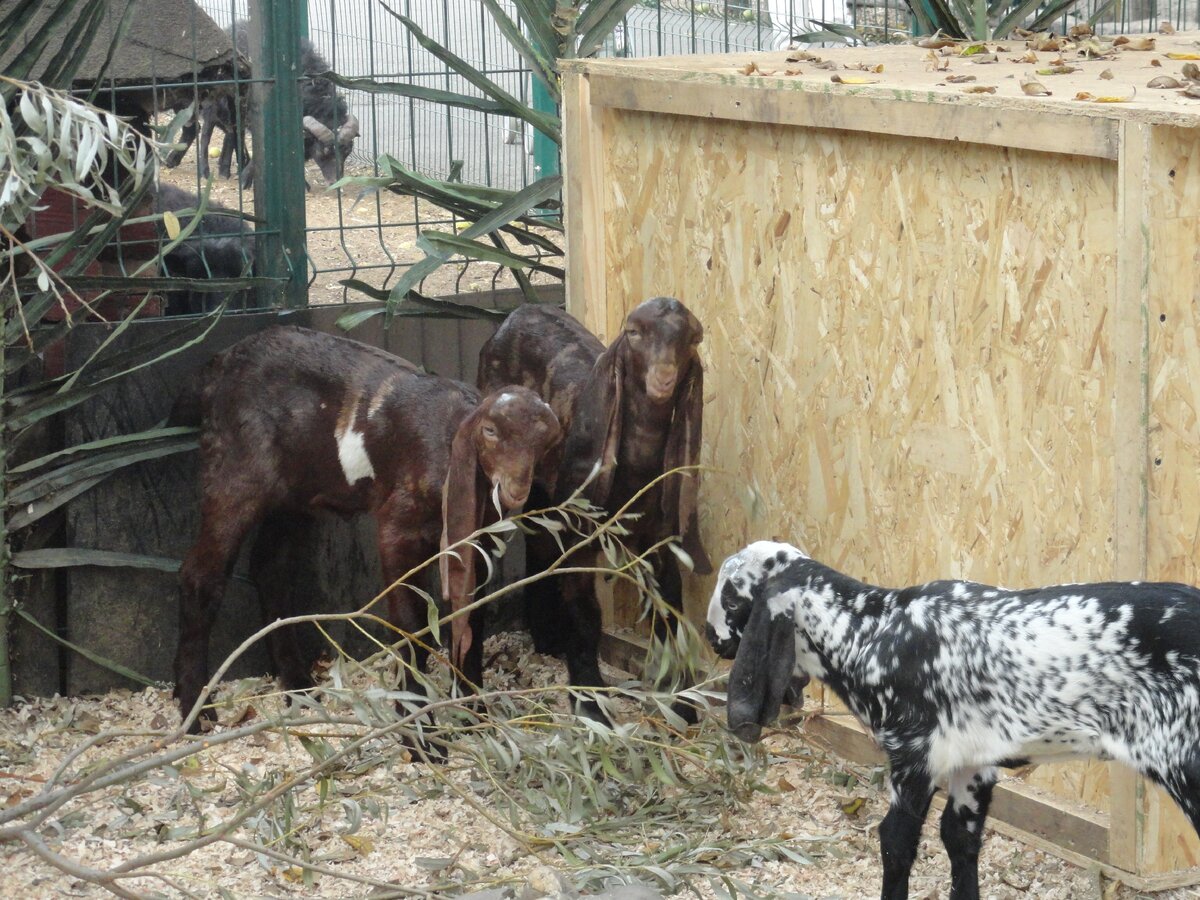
(416, 833)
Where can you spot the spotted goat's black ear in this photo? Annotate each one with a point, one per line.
(762, 671)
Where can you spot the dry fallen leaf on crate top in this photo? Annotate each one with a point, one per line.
(935, 63)
(1165, 27)
(1034, 88)
(1136, 43)
(1092, 98)
(853, 79)
(1183, 56)
(1093, 49)
(1191, 71)
(1107, 74)
(936, 43)
(1058, 70)
(979, 89)
(1164, 82)
(1046, 41)
(1193, 92)
(959, 79)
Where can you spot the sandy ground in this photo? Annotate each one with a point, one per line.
(367, 236)
(416, 831)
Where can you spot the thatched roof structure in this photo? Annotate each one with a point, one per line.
(168, 41)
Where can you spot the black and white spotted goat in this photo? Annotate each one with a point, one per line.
(954, 679)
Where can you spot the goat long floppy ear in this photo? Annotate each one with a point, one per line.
(681, 493)
(462, 513)
(605, 432)
(762, 670)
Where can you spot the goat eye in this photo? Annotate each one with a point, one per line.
(489, 431)
(633, 334)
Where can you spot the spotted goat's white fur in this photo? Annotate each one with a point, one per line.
(955, 679)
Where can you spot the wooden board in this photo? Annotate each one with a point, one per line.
(938, 344)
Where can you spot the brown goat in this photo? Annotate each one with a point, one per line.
(294, 422)
(635, 408)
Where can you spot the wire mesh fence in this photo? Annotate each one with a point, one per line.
(371, 237)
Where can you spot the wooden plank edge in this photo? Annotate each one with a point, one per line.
(1047, 131)
(583, 212)
(1131, 407)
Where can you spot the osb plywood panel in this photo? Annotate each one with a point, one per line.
(907, 345)
(906, 342)
(1173, 541)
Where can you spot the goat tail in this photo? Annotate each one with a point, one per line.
(186, 410)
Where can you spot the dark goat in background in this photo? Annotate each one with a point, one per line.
(221, 246)
(294, 422)
(330, 129)
(954, 679)
(635, 409)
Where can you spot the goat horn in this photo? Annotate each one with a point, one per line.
(319, 130)
(349, 128)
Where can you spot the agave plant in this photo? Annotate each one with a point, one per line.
(976, 20)
(544, 32)
(51, 139)
(980, 19)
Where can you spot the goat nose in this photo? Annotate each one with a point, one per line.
(660, 381)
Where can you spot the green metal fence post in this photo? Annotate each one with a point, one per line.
(545, 151)
(279, 150)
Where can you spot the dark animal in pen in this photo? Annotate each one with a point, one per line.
(220, 246)
(955, 679)
(293, 423)
(330, 129)
(635, 409)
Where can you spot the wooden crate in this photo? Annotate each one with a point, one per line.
(946, 335)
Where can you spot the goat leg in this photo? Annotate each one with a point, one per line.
(225, 163)
(207, 124)
(187, 137)
(582, 640)
(544, 615)
(400, 552)
(968, 796)
(279, 559)
(900, 830)
(670, 585)
(203, 576)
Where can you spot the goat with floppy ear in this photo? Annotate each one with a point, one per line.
(293, 423)
(635, 409)
(955, 680)
(492, 461)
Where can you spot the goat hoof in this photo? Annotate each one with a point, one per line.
(592, 710)
(431, 749)
(686, 711)
(204, 722)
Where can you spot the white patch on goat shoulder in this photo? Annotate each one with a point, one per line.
(504, 398)
(352, 454)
